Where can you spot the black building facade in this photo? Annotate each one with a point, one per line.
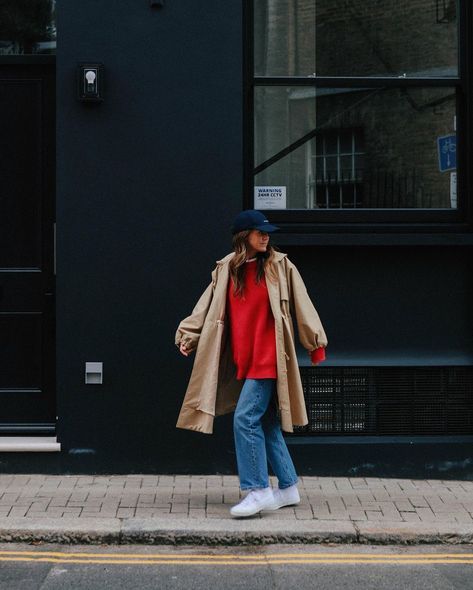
(132, 135)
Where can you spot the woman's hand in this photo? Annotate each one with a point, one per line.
(183, 349)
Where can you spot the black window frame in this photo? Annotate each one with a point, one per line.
(369, 221)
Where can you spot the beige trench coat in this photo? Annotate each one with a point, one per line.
(213, 389)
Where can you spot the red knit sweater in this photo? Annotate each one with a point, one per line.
(252, 329)
(253, 335)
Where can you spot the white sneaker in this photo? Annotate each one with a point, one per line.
(286, 497)
(254, 502)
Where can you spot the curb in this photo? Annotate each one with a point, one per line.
(160, 531)
(60, 530)
(236, 532)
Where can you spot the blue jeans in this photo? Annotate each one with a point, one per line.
(258, 437)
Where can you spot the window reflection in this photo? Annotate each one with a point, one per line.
(284, 37)
(355, 38)
(27, 27)
(335, 169)
(357, 148)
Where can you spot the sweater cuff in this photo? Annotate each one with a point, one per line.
(317, 355)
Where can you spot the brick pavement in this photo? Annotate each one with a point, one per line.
(363, 499)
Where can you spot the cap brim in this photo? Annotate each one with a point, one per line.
(267, 227)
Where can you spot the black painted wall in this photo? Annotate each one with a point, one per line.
(147, 185)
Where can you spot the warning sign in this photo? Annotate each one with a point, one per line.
(270, 197)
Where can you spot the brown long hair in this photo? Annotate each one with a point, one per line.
(237, 263)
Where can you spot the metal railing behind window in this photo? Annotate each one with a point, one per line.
(378, 189)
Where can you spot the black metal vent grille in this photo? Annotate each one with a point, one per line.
(388, 400)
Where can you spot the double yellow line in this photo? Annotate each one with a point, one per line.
(235, 559)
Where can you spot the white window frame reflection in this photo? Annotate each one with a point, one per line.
(318, 178)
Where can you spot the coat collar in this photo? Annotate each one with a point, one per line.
(278, 256)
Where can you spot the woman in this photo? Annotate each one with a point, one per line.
(242, 331)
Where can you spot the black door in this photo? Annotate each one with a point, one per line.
(27, 281)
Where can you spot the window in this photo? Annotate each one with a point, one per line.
(27, 27)
(335, 169)
(356, 110)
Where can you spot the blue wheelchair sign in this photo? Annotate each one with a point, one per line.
(447, 151)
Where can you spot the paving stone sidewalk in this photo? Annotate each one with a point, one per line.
(200, 502)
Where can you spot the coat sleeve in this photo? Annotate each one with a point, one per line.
(188, 331)
(311, 332)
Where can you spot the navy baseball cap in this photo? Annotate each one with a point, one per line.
(252, 219)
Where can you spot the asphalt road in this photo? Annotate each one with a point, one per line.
(331, 567)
